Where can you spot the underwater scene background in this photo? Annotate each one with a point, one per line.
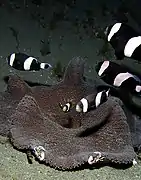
(55, 31)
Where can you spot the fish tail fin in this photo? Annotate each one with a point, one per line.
(45, 65)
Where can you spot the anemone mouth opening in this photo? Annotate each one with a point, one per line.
(72, 123)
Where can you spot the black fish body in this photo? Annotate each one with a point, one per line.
(125, 41)
(118, 76)
(92, 101)
(24, 62)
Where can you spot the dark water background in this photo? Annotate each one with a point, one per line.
(64, 28)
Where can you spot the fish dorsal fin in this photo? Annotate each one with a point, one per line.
(17, 87)
(74, 71)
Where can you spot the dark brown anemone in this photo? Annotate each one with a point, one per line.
(66, 140)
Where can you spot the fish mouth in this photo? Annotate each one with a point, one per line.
(102, 76)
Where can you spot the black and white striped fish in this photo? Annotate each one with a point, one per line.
(125, 40)
(92, 101)
(24, 62)
(66, 107)
(118, 76)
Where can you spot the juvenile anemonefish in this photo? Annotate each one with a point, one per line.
(24, 62)
(118, 75)
(92, 101)
(125, 40)
(66, 107)
(39, 152)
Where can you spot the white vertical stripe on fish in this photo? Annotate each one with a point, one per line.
(85, 104)
(120, 78)
(27, 63)
(78, 108)
(12, 58)
(114, 30)
(98, 99)
(103, 67)
(131, 45)
(42, 65)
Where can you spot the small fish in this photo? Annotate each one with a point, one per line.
(118, 76)
(66, 107)
(125, 40)
(24, 62)
(92, 101)
(95, 159)
(39, 152)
